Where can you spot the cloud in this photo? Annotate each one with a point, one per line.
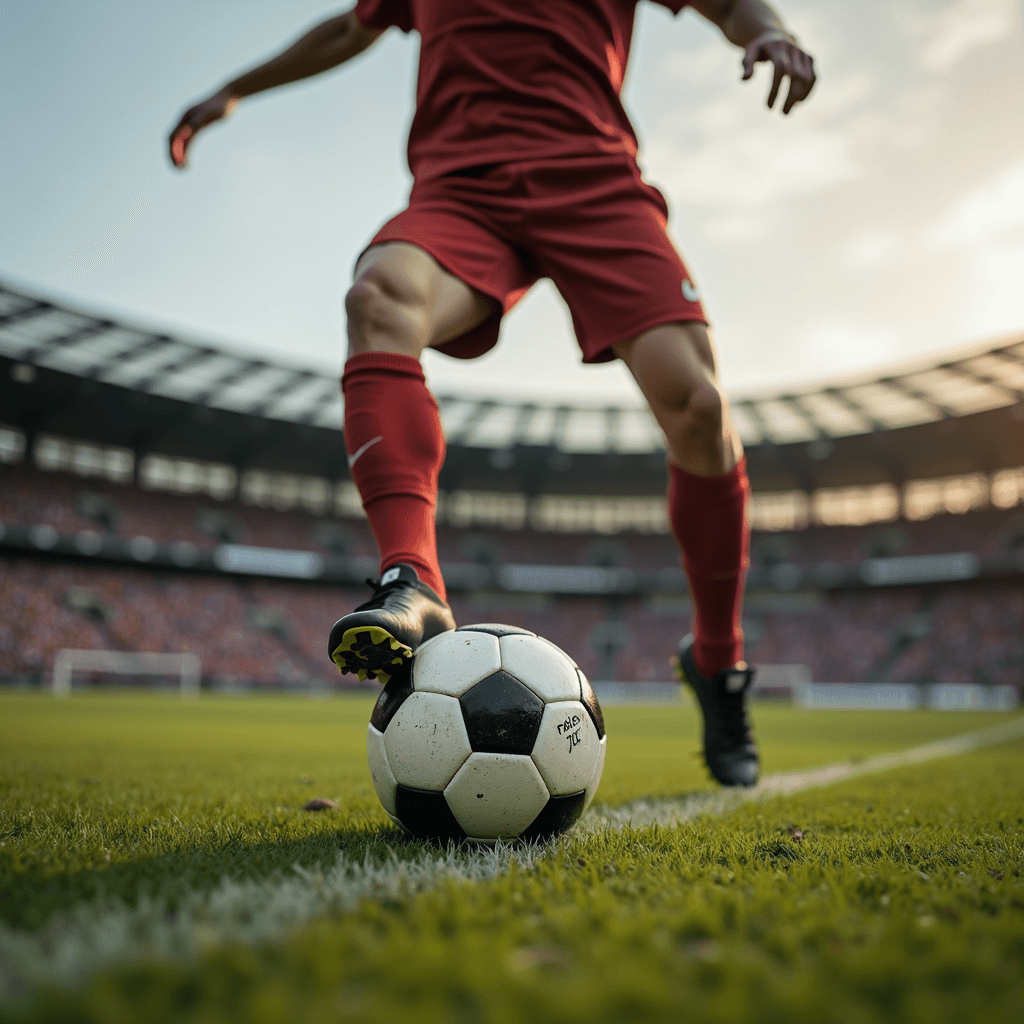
(999, 271)
(991, 210)
(724, 152)
(964, 26)
(753, 169)
(732, 228)
(871, 249)
(849, 345)
(713, 62)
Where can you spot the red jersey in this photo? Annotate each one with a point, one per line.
(508, 80)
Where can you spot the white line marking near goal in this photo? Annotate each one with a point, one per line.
(71, 947)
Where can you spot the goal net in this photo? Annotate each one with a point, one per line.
(126, 663)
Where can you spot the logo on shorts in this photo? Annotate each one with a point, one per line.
(689, 292)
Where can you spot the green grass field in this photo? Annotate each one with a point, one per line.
(156, 865)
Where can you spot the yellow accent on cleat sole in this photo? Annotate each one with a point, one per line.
(378, 637)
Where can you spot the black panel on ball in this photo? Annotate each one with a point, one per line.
(591, 704)
(391, 698)
(427, 815)
(502, 715)
(495, 629)
(557, 815)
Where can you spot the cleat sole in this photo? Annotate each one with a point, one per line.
(371, 652)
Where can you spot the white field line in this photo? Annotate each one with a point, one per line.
(640, 813)
(71, 947)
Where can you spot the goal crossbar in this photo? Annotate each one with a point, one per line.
(186, 666)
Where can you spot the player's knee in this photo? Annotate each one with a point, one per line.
(369, 306)
(378, 311)
(701, 418)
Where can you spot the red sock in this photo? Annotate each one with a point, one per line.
(709, 519)
(393, 434)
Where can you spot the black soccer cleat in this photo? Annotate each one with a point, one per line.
(380, 636)
(729, 748)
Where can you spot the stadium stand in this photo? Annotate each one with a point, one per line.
(162, 495)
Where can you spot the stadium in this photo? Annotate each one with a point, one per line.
(541, 804)
(162, 495)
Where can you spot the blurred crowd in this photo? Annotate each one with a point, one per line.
(256, 632)
(253, 632)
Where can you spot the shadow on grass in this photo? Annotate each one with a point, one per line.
(28, 899)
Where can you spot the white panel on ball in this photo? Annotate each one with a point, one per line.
(595, 779)
(453, 662)
(426, 741)
(496, 796)
(380, 771)
(541, 666)
(567, 747)
(564, 654)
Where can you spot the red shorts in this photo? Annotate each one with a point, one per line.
(591, 224)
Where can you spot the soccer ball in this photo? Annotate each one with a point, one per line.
(494, 734)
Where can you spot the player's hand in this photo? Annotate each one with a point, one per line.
(194, 120)
(788, 59)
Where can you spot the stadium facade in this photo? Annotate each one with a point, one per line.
(887, 510)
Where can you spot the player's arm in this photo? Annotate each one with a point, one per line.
(755, 27)
(325, 46)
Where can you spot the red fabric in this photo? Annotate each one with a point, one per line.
(591, 224)
(395, 448)
(709, 519)
(507, 80)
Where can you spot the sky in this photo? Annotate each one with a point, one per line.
(881, 222)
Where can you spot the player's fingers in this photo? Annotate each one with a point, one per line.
(798, 90)
(750, 56)
(809, 74)
(801, 82)
(179, 145)
(792, 97)
(780, 73)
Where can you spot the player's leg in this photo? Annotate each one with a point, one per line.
(600, 234)
(401, 302)
(674, 365)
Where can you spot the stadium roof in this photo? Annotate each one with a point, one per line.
(963, 413)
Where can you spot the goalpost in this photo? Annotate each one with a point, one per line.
(185, 666)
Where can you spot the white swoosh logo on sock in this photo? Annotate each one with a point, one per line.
(362, 448)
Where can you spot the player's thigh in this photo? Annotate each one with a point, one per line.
(429, 305)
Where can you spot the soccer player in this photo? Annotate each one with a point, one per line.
(524, 166)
